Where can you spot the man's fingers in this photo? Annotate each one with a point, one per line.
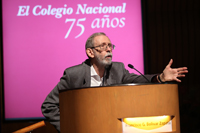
(181, 75)
(184, 71)
(182, 68)
(170, 63)
(178, 80)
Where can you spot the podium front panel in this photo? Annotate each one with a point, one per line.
(99, 109)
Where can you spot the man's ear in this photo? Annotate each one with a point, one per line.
(90, 52)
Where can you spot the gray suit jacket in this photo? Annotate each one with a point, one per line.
(78, 77)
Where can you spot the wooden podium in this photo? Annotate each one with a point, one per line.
(98, 109)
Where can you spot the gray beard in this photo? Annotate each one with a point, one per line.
(105, 62)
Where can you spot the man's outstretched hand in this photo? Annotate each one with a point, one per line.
(172, 74)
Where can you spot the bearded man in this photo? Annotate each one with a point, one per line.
(99, 70)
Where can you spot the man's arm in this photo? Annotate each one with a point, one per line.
(50, 107)
(169, 74)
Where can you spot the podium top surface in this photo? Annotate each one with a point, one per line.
(129, 84)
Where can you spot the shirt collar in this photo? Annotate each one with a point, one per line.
(93, 72)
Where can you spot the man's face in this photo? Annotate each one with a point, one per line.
(102, 57)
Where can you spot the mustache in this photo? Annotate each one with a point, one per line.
(108, 54)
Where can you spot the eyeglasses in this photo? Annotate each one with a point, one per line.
(104, 46)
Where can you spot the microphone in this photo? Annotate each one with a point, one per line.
(132, 67)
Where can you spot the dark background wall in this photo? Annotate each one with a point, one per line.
(171, 30)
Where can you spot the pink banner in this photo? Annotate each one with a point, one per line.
(42, 38)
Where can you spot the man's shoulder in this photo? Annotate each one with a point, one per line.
(78, 68)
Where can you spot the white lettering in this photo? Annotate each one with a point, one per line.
(64, 10)
(69, 11)
(23, 11)
(95, 23)
(112, 22)
(43, 11)
(104, 20)
(122, 22)
(95, 10)
(124, 8)
(57, 12)
(118, 9)
(83, 9)
(111, 9)
(35, 8)
(105, 9)
(100, 8)
(49, 10)
(53, 11)
(89, 10)
(78, 24)
(107, 22)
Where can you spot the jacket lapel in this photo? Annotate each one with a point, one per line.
(109, 77)
(87, 76)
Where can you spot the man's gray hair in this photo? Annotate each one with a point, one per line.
(90, 40)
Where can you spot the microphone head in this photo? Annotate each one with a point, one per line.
(131, 66)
